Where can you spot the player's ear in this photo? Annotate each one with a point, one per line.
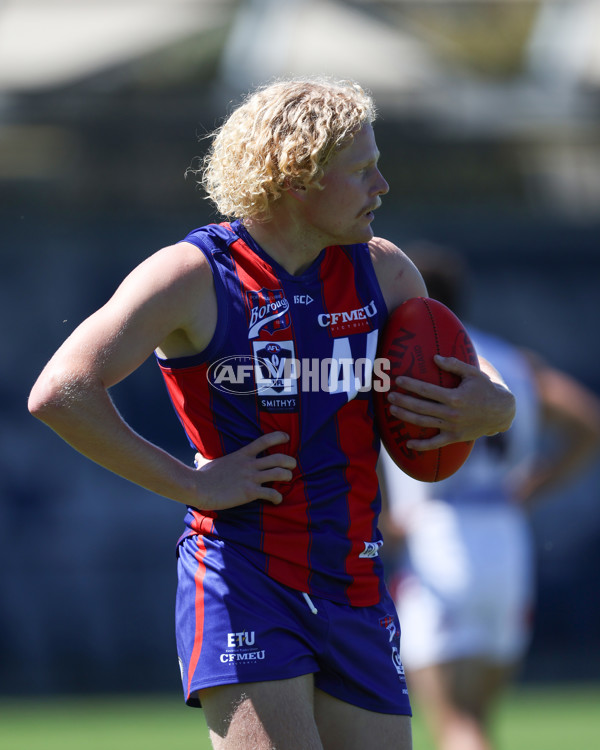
(295, 189)
(298, 194)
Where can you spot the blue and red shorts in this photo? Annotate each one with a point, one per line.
(234, 624)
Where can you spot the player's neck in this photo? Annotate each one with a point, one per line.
(289, 242)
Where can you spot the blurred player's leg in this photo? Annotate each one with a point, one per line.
(475, 684)
(455, 699)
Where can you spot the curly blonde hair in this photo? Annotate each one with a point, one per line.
(281, 136)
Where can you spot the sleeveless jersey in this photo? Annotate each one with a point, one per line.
(292, 353)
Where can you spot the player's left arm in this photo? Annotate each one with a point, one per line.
(571, 411)
(481, 405)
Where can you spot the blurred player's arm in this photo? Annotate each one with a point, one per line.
(391, 524)
(572, 412)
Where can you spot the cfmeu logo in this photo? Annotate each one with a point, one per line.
(241, 649)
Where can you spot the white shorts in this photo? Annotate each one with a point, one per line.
(468, 591)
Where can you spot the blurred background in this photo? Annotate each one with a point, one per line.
(489, 130)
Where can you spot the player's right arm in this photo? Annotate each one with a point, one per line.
(168, 303)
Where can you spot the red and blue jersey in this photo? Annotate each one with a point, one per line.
(292, 353)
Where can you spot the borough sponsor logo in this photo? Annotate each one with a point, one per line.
(269, 311)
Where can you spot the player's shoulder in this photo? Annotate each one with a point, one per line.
(197, 246)
(178, 263)
(176, 285)
(397, 275)
(382, 248)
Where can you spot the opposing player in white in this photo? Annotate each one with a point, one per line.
(465, 576)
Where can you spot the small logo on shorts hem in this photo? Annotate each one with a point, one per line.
(371, 549)
(389, 624)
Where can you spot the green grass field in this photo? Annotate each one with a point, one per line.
(528, 719)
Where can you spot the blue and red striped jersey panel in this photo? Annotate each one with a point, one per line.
(292, 353)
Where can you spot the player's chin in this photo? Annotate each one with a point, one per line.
(362, 233)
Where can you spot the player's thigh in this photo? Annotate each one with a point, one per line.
(262, 715)
(467, 686)
(476, 683)
(343, 726)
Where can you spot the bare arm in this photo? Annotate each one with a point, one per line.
(572, 412)
(168, 302)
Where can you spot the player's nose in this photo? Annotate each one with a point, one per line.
(381, 185)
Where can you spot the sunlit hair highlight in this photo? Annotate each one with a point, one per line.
(282, 136)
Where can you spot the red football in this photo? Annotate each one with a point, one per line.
(415, 331)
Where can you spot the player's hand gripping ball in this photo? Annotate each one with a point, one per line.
(416, 331)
